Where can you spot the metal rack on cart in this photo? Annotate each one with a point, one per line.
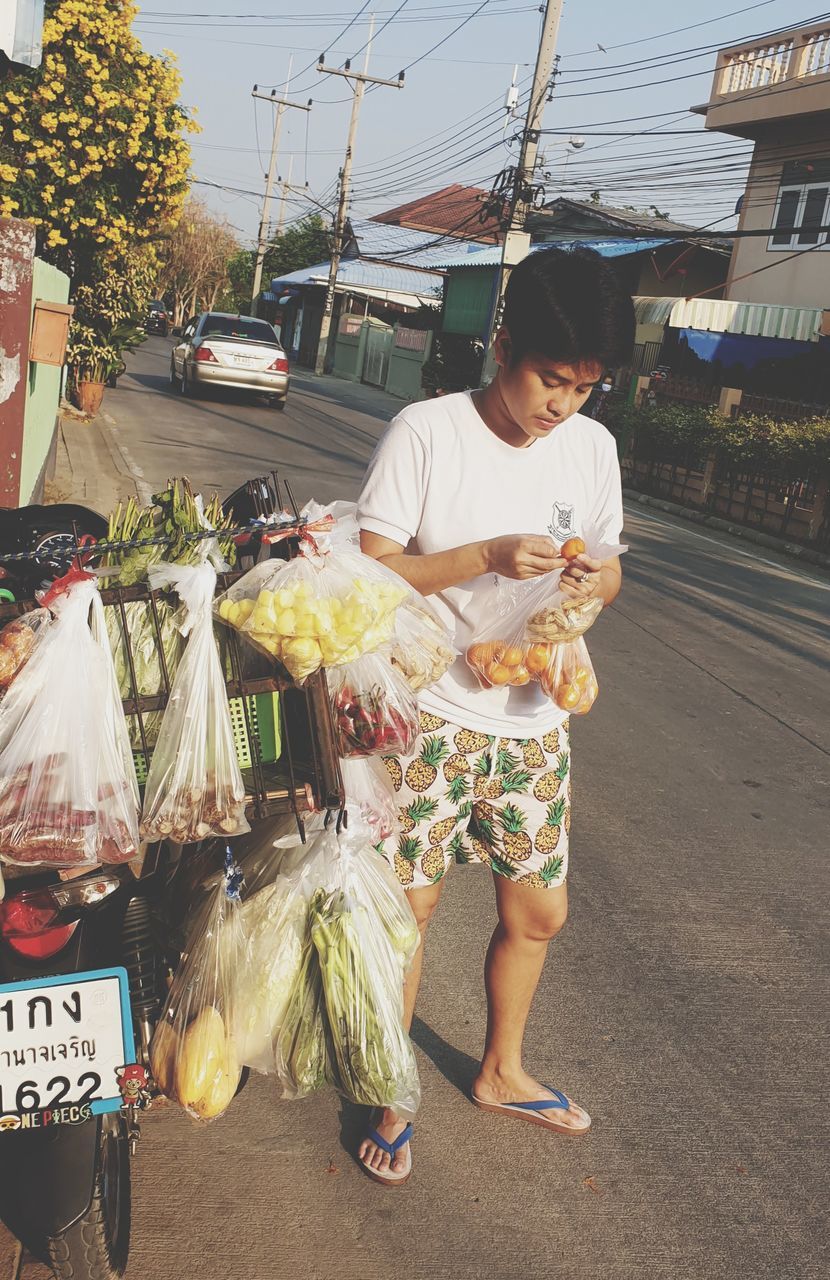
(290, 765)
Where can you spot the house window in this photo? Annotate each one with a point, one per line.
(803, 207)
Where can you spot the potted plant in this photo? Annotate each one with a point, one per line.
(95, 361)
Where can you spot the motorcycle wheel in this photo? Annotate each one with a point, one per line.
(96, 1247)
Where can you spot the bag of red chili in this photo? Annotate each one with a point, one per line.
(375, 711)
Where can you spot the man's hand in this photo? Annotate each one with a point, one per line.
(580, 578)
(522, 555)
(584, 578)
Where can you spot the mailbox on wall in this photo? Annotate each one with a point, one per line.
(50, 332)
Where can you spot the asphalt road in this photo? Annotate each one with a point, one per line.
(684, 1005)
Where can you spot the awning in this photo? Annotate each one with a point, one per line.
(761, 319)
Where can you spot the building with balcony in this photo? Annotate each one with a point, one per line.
(777, 93)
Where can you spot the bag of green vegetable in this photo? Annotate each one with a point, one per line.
(302, 1056)
(194, 1054)
(364, 942)
(194, 787)
(173, 514)
(280, 878)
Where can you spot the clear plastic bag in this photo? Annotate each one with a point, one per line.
(194, 787)
(279, 962)
(194, 1053)
(364, 941)
(371, 801)
(328, 606)
(302, 1050)
(530, 621)
(375, 711)
(421, 647)
(570, 680)
(68, 791)
(17, 640)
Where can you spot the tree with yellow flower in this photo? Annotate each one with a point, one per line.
(93, 145)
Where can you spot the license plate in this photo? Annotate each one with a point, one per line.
(62, 1041)
(247, 361)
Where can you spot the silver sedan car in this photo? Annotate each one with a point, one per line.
(240, 352)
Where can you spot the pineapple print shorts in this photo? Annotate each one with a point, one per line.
(470, 797)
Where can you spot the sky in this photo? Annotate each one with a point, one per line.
(628, 100)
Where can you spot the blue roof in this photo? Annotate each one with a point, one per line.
(490, 255)
(374, 276)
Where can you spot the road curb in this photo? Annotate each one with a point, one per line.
(91, 467)
(693, 516)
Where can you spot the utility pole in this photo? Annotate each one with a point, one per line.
(262, 236)
(516, 239)
(361, 79)
(286, 187)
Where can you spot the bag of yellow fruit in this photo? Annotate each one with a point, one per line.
(194, 1055)
(326, 607)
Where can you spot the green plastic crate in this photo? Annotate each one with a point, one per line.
(264, 715)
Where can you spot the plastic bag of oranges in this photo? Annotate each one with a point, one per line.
(570, 680)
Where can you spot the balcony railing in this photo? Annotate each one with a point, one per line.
(796, 55)
(816, 60)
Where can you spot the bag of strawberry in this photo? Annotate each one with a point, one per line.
(375, 711)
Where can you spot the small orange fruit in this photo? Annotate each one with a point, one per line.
(497, 674)
(512, 655)
(568, 696)
(521, 676)
(581, 677)
(480, 654)
(537, 658)
(572, 548)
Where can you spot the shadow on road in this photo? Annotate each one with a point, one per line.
(457, 1067)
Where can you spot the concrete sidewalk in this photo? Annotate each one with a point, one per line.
(91, 466)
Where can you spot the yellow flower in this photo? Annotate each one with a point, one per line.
(7, 173)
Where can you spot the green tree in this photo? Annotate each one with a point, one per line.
(302, 245)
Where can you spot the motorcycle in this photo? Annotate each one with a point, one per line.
(85, 960)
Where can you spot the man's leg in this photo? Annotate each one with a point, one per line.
(389, 1125)
(529, 918)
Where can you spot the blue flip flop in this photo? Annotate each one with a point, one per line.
(533, 1112)
(386, 1177)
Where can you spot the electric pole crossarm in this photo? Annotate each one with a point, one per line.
(282, 102)
(361, 75)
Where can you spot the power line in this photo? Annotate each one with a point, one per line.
(627, 44)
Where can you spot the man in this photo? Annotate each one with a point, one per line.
(460, 489)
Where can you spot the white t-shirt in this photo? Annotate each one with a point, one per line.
(440, 478)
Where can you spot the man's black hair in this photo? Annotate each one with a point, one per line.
(570, 306)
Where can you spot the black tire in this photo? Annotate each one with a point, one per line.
(278, 404)
(97, 1246)
(173, 378)
(184, 386)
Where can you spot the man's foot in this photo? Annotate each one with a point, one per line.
(389, 1126)
(497, 1089)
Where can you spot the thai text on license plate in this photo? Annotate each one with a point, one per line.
(62, 1041)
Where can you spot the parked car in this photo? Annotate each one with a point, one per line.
(221, 350)
(157, 318)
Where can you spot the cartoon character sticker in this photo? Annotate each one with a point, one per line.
(134, 1084)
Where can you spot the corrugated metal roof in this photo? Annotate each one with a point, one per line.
(766, 320)
(400, 244)
(377, 278)
(490, 255)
